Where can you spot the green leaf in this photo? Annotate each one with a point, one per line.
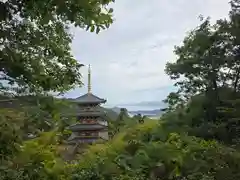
(98, 29)
(110, 10)
(92, 29)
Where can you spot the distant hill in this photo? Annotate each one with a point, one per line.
(110, 113)
(149, 113)
(30, 102)
(116, 109)
(156, 104)
(155, 113)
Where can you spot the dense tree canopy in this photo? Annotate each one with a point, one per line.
(197, 138)
(209, 58)
(35, 41)
(207, 72)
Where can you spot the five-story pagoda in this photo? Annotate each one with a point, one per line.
(90, 126)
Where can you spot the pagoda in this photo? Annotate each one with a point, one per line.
(91, 126)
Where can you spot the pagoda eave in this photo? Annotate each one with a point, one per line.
(89, 98)
(87, 127)
(90, 113)
(87, 114)
(90, 102)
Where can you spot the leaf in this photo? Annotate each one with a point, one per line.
(92, 28)
(98, 29)
(41, 60)
(110, 10)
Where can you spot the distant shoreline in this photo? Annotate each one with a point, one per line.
(152, 116)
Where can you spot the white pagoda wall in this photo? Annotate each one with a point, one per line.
(104, 135)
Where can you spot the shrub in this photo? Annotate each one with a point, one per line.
(158, 154)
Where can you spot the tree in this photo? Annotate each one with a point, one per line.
(208, 66)
(35, 41)
(148, 151)
(10, 124)
(139, 118)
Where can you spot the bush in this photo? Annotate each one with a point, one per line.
(22, 158)
(148, 151)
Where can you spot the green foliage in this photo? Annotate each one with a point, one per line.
(36, 55)
(124, 121)
(148, 151)
(36, 159)
(196, 139)
(22, 158)
(10, 134)
(207, 75)
(38, 113)
(139, 118)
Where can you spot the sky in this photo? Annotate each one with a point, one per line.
(128, 59)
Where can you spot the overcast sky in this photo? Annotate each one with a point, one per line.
(128, 59)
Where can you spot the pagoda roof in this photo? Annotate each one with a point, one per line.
(90, 113)
(86, 113)
(86, 127)
(89, 98)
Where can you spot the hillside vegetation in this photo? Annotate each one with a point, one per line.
(197, 137)
(148, 151)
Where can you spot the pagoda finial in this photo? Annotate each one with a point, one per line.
(89, 79)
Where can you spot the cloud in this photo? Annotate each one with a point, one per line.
(128, 59)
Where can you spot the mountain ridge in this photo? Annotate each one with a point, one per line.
(149, 113)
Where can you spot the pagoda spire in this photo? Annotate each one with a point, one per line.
(89, 79)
